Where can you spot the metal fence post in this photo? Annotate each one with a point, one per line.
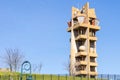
(51, 76)
(43, 76)
(114, 77)
(9, 77)
(18, 77)
(108, 76)
(101, 76)
(35, 77)
(66, 76)
(58, 77)
(26, 76)
(74, 78)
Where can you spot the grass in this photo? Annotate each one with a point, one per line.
(16, 76)
(43, 77)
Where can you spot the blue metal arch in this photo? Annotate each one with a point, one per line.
(23, 67)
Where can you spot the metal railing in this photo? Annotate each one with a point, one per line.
(59, 77)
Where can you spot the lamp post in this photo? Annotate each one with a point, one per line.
(26, 66)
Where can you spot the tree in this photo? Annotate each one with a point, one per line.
(13, 58)
(36, 68)
(39, 67)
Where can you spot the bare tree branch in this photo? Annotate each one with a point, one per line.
(36, 68)
(39, 67)
(13, 58)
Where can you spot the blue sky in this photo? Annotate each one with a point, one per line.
(38, 29)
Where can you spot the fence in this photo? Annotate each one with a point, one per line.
(60, 77)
